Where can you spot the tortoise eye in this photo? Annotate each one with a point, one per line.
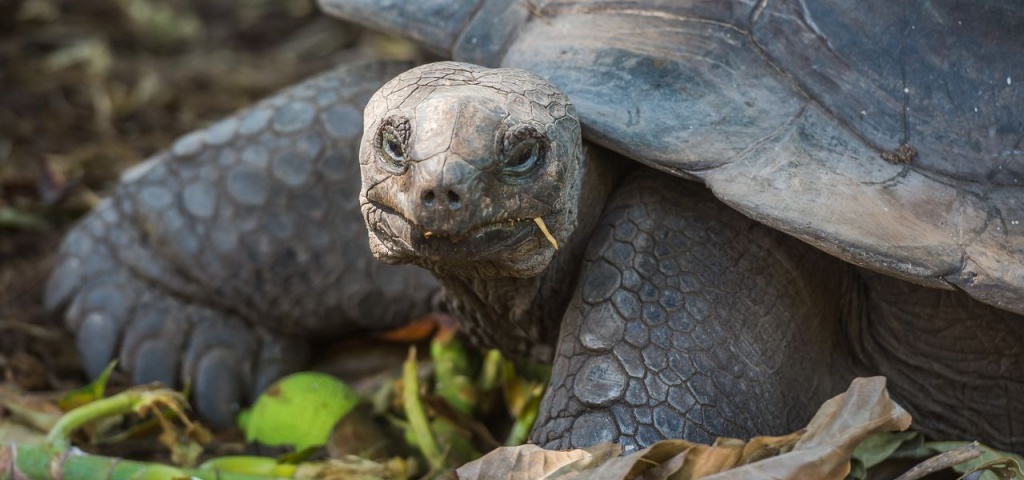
(392, 147)
(392, 139)
(523, 158)
(525, 149)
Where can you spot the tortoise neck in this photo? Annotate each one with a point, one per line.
(521, 316)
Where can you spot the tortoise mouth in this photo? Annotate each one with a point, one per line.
(483, 241)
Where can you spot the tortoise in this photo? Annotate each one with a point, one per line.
(709, 216)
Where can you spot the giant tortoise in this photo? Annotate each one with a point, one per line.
(769, 198)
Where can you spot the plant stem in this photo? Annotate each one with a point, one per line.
(416, 415)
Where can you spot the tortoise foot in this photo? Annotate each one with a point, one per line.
(157, 335)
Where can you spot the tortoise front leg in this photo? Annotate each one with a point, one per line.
(214, 260)
(692, 321)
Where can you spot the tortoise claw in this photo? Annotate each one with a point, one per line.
(220, 387)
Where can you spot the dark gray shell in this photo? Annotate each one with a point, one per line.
(785, 110)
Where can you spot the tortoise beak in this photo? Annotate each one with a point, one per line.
(444, 197)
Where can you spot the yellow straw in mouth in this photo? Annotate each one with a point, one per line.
(544, 229)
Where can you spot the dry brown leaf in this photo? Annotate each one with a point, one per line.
(417, 330)
(681, 459)
(651, 462)
(531, 461)
(821, 451)
(824, 451)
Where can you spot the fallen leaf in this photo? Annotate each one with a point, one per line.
(842, 423)
(531, 461)
(16, 219)
(415, 331)
(12, 432)
(879, 448)
(298, 410)
(1000, 468)
(33, 411)
(821, 451)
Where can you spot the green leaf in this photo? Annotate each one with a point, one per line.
(14, 219)
(1001, 468)
(250, 465)
(89, 393)
(878, 448)
(298, 411)
(159, 472)
(453, 371)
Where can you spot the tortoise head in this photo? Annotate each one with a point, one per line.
(458, 164)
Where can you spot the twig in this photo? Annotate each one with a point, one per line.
(943, 461)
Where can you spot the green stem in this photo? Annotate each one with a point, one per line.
(42, 462)
(524, 421)
(125, 402)
(416, 415)
(490, 374)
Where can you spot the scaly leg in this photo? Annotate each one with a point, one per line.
(214, 259)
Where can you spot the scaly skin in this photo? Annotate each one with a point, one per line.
(679, 317)
(692, 319)
(214, 260)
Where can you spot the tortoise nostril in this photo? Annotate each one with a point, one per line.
(430, 199)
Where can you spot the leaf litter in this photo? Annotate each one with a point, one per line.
(822, 451)
(851, 434)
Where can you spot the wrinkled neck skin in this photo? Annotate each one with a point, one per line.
(521, 316)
